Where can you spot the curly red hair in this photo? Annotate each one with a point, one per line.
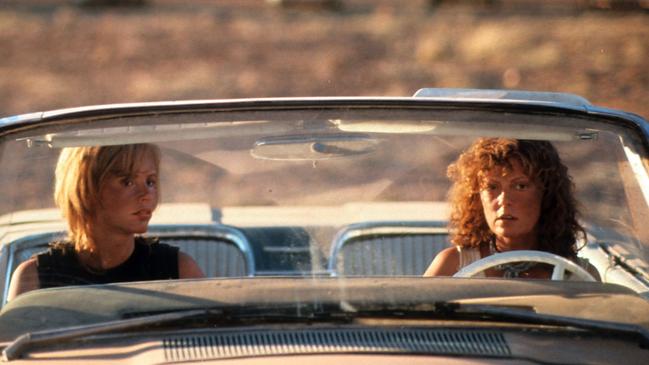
(558, 226)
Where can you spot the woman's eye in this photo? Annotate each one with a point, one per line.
(151, 183)
(127, 182)
(521, 186)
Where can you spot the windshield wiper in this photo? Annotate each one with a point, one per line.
(226, 315)
(498, 313)
(493, 312)
(28, 340)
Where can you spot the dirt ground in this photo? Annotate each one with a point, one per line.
(54, 54)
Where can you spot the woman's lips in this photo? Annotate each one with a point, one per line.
(143, 214)
(506, 217)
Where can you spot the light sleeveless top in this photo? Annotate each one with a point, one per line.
(468, 256)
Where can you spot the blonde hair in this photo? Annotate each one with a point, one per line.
(80, 174)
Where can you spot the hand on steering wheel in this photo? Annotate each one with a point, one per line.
(560, 264)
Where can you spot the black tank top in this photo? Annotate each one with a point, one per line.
(150, 260)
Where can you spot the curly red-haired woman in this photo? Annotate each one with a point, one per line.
(509, 195)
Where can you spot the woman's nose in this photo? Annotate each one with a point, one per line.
(505, 197)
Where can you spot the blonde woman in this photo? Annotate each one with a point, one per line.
(107, 196)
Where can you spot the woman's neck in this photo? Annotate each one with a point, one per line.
(503, 244)
(106, 251)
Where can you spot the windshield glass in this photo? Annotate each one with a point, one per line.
(328, 191)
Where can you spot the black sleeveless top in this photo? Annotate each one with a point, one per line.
(150, 260)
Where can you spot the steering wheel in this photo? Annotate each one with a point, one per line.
(560, 264)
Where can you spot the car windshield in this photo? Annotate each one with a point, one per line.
(330, 188)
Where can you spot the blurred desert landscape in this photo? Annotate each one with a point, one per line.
(57, 54)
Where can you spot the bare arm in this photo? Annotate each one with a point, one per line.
(445, 263)
(24, 279)
(188, 268)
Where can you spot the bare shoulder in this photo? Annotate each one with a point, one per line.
(188, 268)
(24, 278)
(445, 263)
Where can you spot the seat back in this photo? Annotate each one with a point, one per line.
(380, 249)
(219, 250)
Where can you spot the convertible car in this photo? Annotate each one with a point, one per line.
(314, 219)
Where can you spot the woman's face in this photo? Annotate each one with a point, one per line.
(511, 202)
(127, 200)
